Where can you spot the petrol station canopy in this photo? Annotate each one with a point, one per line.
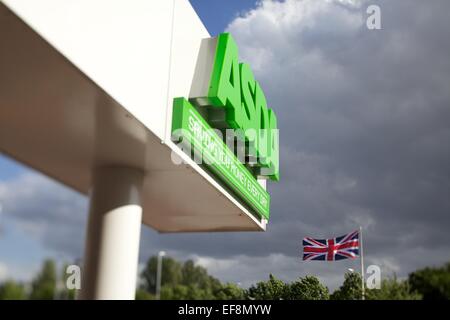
(85, 84)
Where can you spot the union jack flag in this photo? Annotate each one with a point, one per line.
(339, 248)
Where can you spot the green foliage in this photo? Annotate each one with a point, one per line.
(351, 289)
(307, 288)
(177, 292)
(274, 289)
(229, 291)
(182, 281)
(193, 275)
(142, 294)
(432, 283)
(171, 273)
(393, 289)
(43, 286)
(11, 290)
(183, 292)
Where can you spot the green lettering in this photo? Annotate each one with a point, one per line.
(238, 102)
(225, 87)
(248, 119)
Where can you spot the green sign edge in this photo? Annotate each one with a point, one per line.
(181, 107)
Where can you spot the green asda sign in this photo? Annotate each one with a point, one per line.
(216, 156)
(233, 100)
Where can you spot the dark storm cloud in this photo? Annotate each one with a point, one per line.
(364, 118)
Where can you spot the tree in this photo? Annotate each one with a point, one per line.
(393, 289)
(307, 288)
(142, 294)
(229, 291)
(11, 290)
(180, 281)
(178, 292)
(432, 283)
(182, 292)
(193, 275)
(43, 286)
(350, 289)
(274, 289)
(171, 273)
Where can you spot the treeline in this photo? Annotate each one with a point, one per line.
(48, 284)
(185, 280)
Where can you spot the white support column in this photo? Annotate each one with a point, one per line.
(112, 239)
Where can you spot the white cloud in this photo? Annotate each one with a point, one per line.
(22, 272)
(283, 24)
(3, 271)
(46, 211)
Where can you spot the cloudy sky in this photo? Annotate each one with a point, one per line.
(364, 118)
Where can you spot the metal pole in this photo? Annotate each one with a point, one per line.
(112, 242)
(363, 297)
(161, 254)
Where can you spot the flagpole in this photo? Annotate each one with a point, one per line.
(361, 256)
